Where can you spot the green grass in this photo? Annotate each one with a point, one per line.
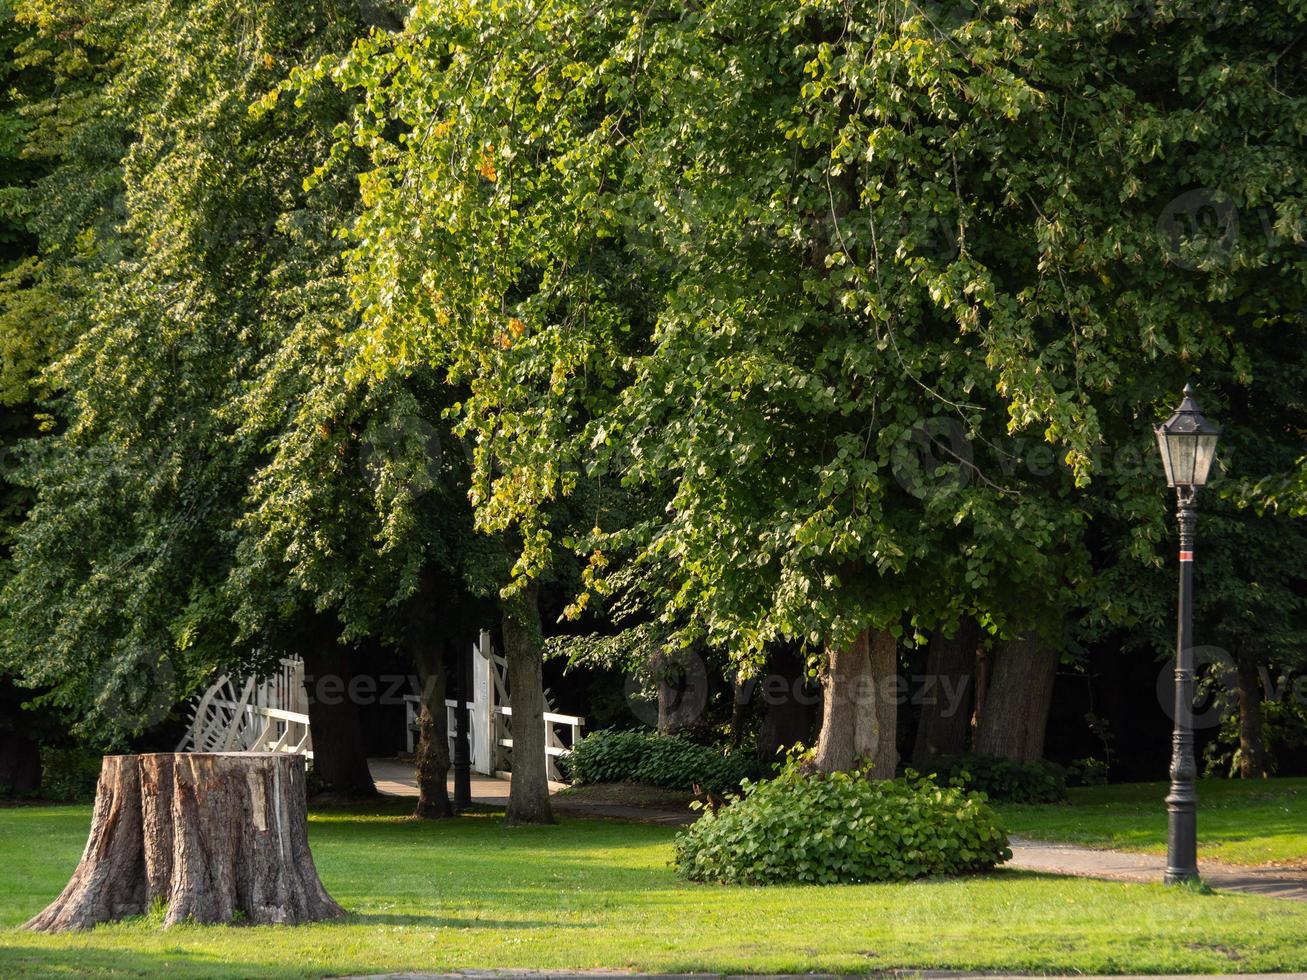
(1254, 822)
(469, 893)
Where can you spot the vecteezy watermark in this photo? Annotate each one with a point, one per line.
(1203, 229)
(685, 694)
(933, 457)
(401, 453)
(136, 692)
(1199, 229)
(937, 456)
(670, 691)
(1214, 674)
(1216, 687)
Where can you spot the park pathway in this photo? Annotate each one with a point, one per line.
(396, 778)
(1093, 862)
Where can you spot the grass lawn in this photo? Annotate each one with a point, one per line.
(1254, 822)
(469, 893)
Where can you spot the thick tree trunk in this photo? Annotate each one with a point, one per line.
(945, 718)
(859, 710)
(528, 799)
(1019, 694)
(432, 763)
(1252, 750)
(213, 837)
(340, 760)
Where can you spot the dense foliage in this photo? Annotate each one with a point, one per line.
(748, 325)
(842, 828)
(654, 760)
(841, 222)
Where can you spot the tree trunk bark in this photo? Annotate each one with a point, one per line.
(1019, 694)
(682, 686)
(528, 798)
(1252, 749)
(947, 692)
(340, 760)
(432, 763)
(213, 837)
(859, 710)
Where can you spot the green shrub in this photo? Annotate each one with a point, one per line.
(842, 828)
(1001, 779)
(69, 775)
(1087, 772)
(655, 760)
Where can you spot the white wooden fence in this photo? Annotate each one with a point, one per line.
(252, 715)
(488, 728)
(499, 735)
(271, 715)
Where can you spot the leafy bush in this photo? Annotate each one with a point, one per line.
(842, 828)
(1001, 779)
(655, 760)
(1087, 772)
(69, 775)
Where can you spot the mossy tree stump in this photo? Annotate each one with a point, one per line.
(215, 837)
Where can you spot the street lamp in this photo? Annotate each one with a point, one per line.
(1188, 445)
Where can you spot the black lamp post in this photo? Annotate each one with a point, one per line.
(1188, 445)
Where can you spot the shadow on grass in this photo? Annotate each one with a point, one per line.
(449, 922)
(87, 960)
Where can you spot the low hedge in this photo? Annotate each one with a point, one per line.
(1001, 779)
(69, 775)
(655, 760)
(842, 828)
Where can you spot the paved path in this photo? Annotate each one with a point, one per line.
(1092, 862)
(396, 777)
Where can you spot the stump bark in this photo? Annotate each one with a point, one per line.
(214, 837)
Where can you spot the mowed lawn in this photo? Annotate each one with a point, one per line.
(470, 893)
(1260, 821)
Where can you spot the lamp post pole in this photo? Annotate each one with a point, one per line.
(1187, 442)
(1182, 801)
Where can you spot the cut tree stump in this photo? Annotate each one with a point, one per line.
(215, 837)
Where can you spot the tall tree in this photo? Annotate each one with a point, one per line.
(188, 251)
(843, 222)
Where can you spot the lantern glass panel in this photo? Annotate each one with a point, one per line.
(1164, 448)
(1166, 455)
(1184, 452)
(1204, 454)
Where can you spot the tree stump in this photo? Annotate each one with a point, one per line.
(214, 837)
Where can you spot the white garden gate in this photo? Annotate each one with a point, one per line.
(489, 730)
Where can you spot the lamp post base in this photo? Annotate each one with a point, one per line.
(1182, 825)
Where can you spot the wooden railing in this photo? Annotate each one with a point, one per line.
(256, 716)
(555, 726)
